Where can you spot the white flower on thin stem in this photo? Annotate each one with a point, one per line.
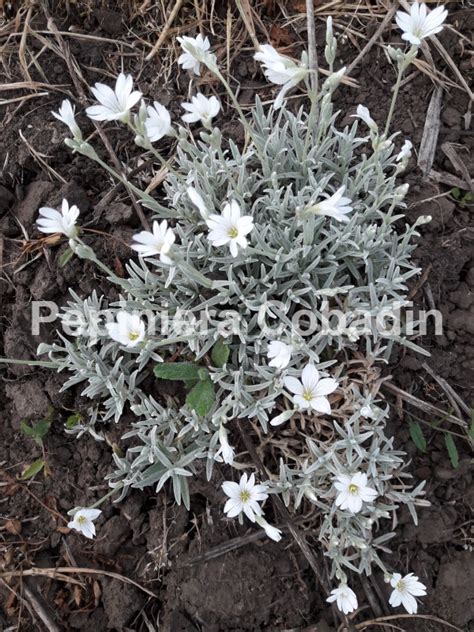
(230, 228)
(405, 151)
(244, 497)
(420, 23)
(158, 122)
(194, 48)
(83, 521)
(335, 206)
(279, 354)
(226, 450)
(405, 590)
(272, 532)
(280, 70)
(53, 221)
(345, 598)
(310, 392)
(128, 330)
(158, 242)
(67, 115)
(364, 114)
(353, 492)
(115, 105)
(201, 108)
(197, 200)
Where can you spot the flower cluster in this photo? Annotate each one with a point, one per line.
(302, 218)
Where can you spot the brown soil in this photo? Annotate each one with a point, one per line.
(261, 586)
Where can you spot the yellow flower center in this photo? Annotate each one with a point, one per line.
(82, 520)
(400, 586)
(307, 395)
(133, 335)
(353, 489)
(233, 232)
(244, 496)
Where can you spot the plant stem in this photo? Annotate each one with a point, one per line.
(408, 58)
(234, 100)
(48, 365)
(156, 206)
(312, 50)
(396, 90)
(107, 495)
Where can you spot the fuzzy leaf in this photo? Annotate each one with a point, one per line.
(201, 397)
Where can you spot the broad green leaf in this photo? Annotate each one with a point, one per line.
(201, 397)
(37, 431)
(182, 371)
(33, 469)
(220, 353)
(452, 450)
(416, 433)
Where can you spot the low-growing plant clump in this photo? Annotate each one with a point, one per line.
(263, 288)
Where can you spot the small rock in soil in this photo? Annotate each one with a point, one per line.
(37, 193)
(28, 399)
(453, 591)
(121, 602)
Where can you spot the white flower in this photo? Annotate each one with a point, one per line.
(115, 105)
(245, 497)
(280, 354)
(227, 451)
(158, 242)
(194, 48)
(310, 392)
(201, 108)
(230, 228)
(67, 116)
(335, 206)
(197, 200)
(158, 122)
(419, 24)
(52, 221)
(353, 491)
(272, 532)
(369, 412)
(129, 330)
(405, 590)
(364, 114)
(280, 70)
(83, 521)
(344, 597)
(405, 151)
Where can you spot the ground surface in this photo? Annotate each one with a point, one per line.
(260, 586)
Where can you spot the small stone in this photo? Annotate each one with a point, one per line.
(462, 297)
(451, 117)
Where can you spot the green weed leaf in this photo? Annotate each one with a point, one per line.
(220, 353)
(417, 436)
(201, 397)
(33, 469)
(452, 450)
(181, 371)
